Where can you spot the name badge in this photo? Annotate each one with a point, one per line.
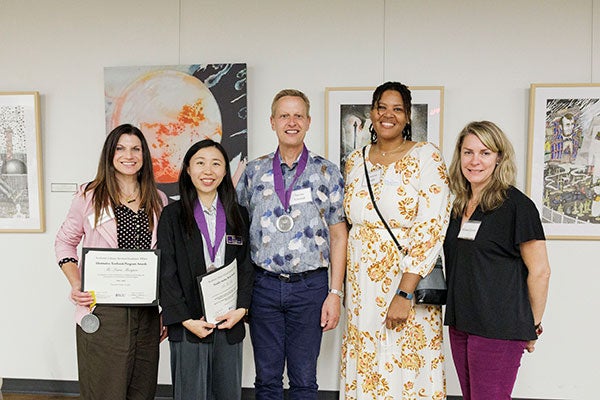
(234, 240)
(469, 230)
(301, 196)
(374, 177)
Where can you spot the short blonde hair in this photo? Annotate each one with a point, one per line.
(292, 93)
(494, 193)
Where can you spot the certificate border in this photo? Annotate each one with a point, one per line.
(86, 250)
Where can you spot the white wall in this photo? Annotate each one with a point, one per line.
(485, 53)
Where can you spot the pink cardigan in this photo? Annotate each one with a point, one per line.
(80, 224)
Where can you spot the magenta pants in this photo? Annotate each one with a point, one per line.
(486, 368)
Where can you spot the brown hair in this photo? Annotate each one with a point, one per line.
(105, 186)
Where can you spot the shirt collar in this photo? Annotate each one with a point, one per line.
(284, 165)
(212, 210)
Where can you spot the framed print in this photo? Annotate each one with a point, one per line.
(177, 105)
(347, 119)
(21, 201)
(563, 166)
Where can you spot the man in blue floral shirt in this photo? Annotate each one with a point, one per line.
(297, 232)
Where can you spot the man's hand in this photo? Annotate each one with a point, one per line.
(330, 312)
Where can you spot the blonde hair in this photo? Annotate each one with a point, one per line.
(292, 93)
(494, 193)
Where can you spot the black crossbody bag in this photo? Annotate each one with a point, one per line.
(432, 288)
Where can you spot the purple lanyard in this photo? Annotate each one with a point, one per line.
(283, 193)
(203, 226)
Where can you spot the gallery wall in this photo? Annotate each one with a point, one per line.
(485, 53)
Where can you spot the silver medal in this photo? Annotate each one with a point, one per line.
(284, 223)
(90, 323)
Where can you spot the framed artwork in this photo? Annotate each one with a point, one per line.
(21, 194)
(177, 105)
(347, 119)
(563, 167)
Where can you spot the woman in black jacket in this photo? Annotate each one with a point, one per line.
(202, 232)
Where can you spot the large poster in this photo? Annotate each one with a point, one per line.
(178, 105)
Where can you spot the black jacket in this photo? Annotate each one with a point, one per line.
(182, 260)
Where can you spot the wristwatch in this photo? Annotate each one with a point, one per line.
(337, 293)
(407, 296)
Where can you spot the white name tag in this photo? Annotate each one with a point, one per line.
(469, 230)
(374, 177)
(300, 196)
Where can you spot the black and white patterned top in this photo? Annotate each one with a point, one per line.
(133, 229)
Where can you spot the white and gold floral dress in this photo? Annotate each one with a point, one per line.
(413, 196)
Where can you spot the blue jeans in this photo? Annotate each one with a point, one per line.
(285, 326)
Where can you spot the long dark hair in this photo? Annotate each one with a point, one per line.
(189, 195)
(105, 185)
(406, 99)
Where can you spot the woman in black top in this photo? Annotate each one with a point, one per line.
(497, 265)
(202, 232)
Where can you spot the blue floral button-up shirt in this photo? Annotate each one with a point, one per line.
(306, 246)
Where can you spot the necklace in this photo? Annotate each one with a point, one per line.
(385, 153)
(130, 198)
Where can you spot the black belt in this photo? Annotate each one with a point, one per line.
(290, 277)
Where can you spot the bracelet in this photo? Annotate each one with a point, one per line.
(337, 293)
(66, 260)
(538, 329)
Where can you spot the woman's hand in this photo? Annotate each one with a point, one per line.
(398, 312)
(231, 318)
(163, 331)
(81, 298)
(530, 347)
(199, 327)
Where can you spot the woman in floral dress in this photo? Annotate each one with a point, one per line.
(392, 348)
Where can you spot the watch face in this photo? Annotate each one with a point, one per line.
(402, 293)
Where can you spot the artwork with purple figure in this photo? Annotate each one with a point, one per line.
(176, 106)
(564, 159)
(20, 167)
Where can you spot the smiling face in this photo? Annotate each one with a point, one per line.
(128, 157)
(207, 170)
(290, 121)
(389, 116)
(477, 162)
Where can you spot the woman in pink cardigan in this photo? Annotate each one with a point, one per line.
(117, 359)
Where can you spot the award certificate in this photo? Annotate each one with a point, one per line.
(219, 291)
(121, 277)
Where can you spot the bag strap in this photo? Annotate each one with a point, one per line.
(375, 204)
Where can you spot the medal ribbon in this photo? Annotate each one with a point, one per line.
(283, 193)
(203, 226)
